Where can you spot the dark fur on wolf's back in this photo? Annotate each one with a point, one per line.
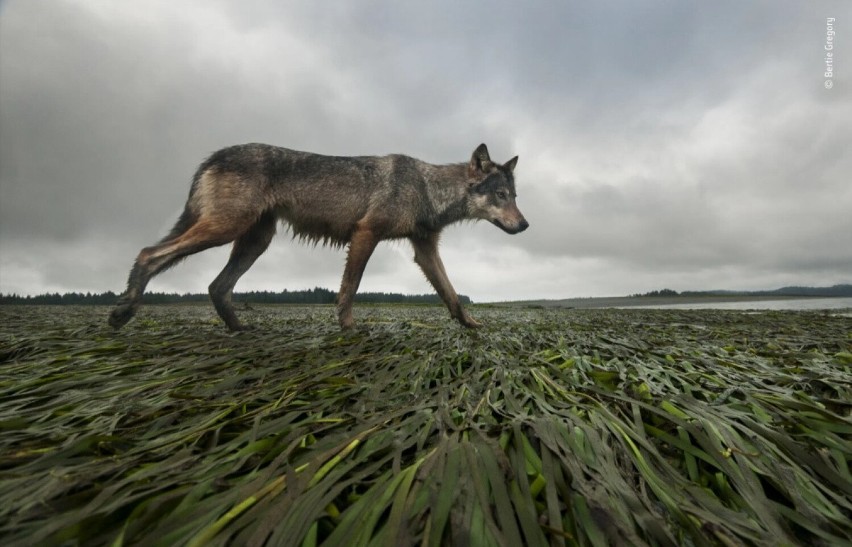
(241, 192)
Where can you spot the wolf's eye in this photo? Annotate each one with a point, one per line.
(502, 194)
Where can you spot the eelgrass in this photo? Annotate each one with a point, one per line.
(596, 427)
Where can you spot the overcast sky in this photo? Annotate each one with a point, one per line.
(687, 145)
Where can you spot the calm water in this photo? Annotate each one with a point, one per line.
(803, 304)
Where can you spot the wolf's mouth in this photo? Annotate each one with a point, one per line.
(513, 230)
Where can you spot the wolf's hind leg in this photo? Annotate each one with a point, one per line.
(247, 248)
(144, 268)
(201, 235)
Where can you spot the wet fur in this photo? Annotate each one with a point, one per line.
(240, 193)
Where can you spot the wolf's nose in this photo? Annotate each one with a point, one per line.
(523, 225)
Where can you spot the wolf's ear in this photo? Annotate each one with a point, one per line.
(510, 165)
(480, 161)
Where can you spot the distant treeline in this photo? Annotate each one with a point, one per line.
(316, 295)
(835, 291)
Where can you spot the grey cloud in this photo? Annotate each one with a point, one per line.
(673, 141)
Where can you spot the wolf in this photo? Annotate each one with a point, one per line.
(241, 192)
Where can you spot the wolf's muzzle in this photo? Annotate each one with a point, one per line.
(522, 225)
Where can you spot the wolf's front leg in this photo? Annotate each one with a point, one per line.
(361, 247)
(426, 256)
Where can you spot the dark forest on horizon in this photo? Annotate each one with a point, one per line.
(317, 295)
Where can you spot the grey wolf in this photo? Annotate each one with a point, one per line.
(240, 193)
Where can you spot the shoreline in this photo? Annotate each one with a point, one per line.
(643, 301)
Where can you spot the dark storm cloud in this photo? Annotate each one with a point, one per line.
(680, 142)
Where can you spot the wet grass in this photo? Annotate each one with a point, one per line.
(548, 427)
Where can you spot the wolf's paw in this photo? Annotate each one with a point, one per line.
(121, 315)
(346, 322)
(470, 322)
(241, 327)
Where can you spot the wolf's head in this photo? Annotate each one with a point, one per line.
(491, 192)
